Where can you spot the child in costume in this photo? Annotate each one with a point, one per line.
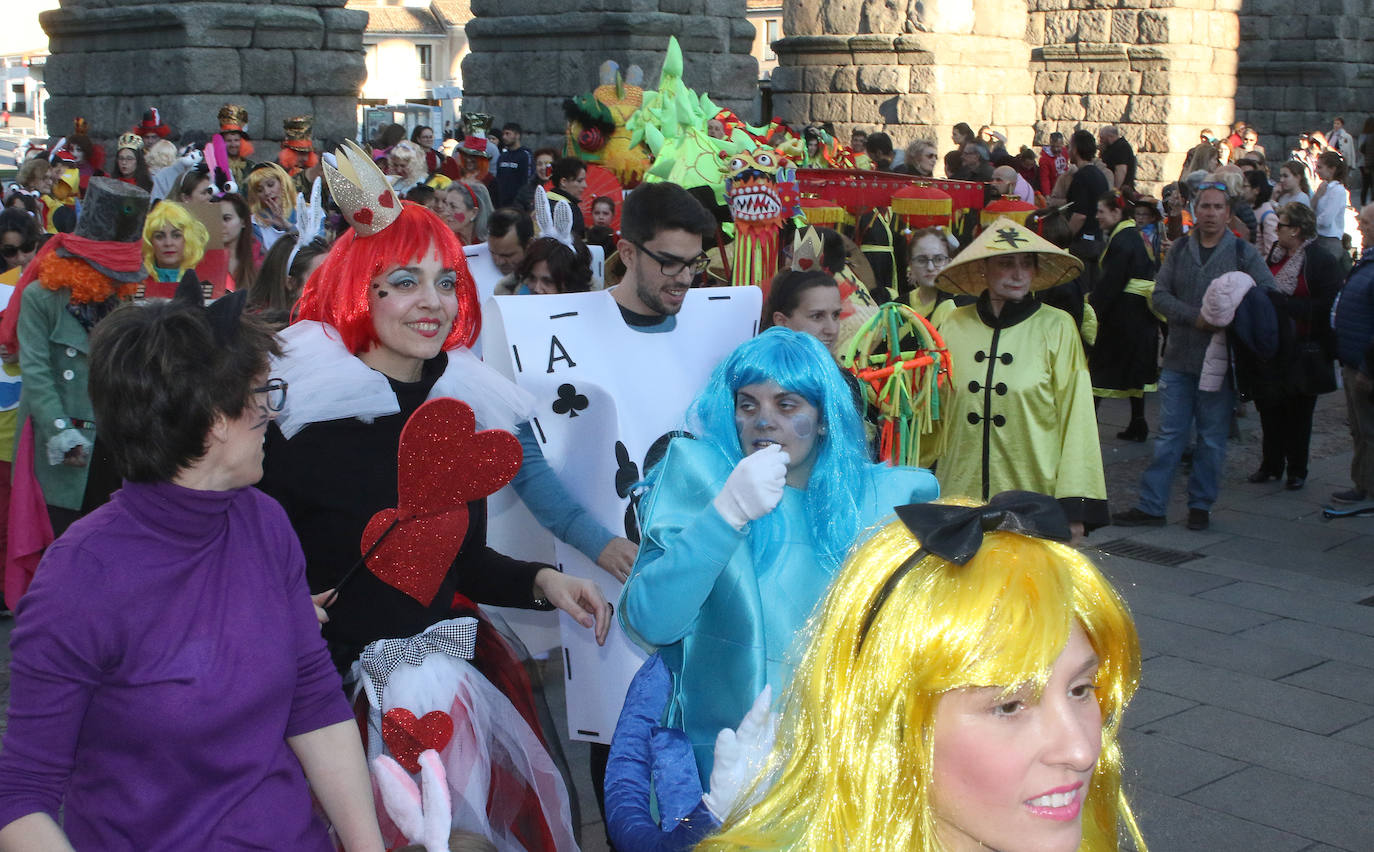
(1020, 415)
(963, 689)
(745, 527)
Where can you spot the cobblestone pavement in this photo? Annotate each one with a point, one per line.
(1253, 730)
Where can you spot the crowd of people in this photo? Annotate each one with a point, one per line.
(227, 373)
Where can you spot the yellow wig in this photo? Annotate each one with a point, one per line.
(253, 182)
(855, 748)
(170, 214)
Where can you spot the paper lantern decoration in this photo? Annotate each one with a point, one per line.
(824, 213)
(1013, 208)
(923, 207)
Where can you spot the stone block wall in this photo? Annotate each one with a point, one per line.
(1160, 73)
(525, 59)
(894, 74)
(112, 59)
(1296, 72)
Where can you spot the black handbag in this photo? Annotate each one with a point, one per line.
(1312, 372)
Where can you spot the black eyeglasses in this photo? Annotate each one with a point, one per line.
(22, 248)
(936, 260)
(276, 393)
(673, 266)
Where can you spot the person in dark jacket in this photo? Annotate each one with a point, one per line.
(1306, 281)
(1124, 361)
(1353, 323)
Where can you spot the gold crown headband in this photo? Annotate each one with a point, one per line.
(361, 190)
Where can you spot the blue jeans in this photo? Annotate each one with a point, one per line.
(1181, 404)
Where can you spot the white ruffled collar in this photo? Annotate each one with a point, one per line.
(327, 382)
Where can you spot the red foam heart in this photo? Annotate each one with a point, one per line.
(363, 216)
(805, 263)
(406, 736)
(387, 200)
(443, 464)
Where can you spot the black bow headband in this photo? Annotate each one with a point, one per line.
(955, 533)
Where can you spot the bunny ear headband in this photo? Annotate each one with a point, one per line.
(556, 223)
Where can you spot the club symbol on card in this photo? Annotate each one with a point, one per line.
(569, 401)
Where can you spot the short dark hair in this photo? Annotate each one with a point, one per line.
(159, 377)
(189, 182)
(503, 219)
(571, 268)
(604, 199)
(420, 193)
(878, 143)
(25, 225)
(784, 294)
(512, 125)
(566, 169)
(656, 207)
(1084, 144)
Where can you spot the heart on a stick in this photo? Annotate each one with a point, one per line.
(443, 463)
(406, 736)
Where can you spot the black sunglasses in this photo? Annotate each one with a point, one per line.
(25, 248)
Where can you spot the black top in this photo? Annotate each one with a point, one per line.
(1119, 153)
(1085, 188)
(331, 478)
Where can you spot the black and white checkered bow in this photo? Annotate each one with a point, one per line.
(456, 637)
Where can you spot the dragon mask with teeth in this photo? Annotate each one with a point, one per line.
(761, 191)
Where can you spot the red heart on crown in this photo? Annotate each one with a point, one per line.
(443, 464)
(387, 200)
(406, 736)
(805, 263)
(363, 216)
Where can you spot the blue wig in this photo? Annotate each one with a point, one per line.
(842, 472)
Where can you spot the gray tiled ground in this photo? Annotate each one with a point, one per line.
(1253, 730)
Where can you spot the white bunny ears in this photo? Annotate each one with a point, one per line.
(556, 223)
(424, 817)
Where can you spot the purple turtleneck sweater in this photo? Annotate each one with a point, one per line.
(166, 649)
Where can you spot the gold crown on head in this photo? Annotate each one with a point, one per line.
(132, 141)
(298, 127)
(361, 190)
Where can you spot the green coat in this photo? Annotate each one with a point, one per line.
(53, 353)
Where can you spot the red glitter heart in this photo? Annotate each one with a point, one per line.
(406, 736)
(443, 464)
(387, 200)
(363, 216)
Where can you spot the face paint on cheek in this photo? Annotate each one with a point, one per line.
(803, 425)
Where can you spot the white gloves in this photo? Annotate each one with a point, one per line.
(754, 487)
(739, 757)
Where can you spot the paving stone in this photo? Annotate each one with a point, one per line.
(1174, 535)
(1174, 824)
(1293, 556)
(1149, 705)
(1221, 650)
(1280, 577)
(1179, 579)
(1336, 678)
(1358, 548)
(1311, 535)
(1314, 639)
(1185, 609)
(1361, 734)
(1254, 696)
(1320, 813)
(1295, 605)
(1324, 760)
(1171, 768)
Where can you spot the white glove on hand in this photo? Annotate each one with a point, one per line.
(754, 487)
(739, 757)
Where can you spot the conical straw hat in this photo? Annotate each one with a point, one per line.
(966, 275)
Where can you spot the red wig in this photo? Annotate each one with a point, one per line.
(337, 293)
